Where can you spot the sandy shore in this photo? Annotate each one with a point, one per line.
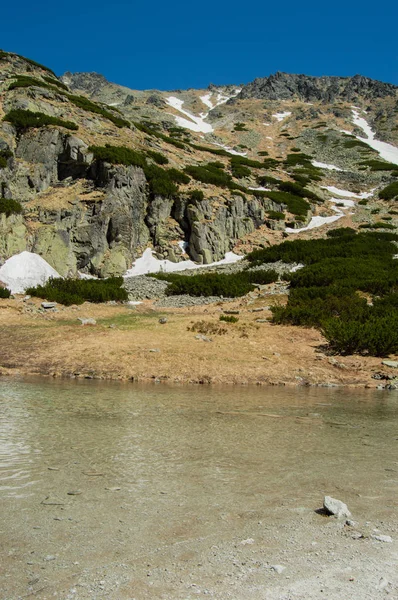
(129, 342)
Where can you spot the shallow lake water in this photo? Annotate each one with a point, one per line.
(128, 491)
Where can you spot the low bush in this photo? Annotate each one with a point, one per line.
(340, 231)
(89, 106)
(229, 318)
(294, 204)
(4, 292)
(377, 335)
(210, 174)
(4, 156)
(196, 195)
(10, 207)
(178, 176)
(240, 127)
(56, 82)
(24, 81)
(77, 291)
(265, 180)
(273, 214)
(118, 155)
(240, 171)
(298, 190)
(24, 119)
(390, 192)
(159, 158)
(229, 285)
(378, 165)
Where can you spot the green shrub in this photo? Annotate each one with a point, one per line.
(265, 180)
(363, 202)
(196, 195)
(298, 190)
(77, 291)
(229, 285)
(240, 127)
(263, 153)
(89, 106)
(378, 165)
(240, 171)
(294, 204)
(159, 158)
(36, 64)
(178, 176)
(24, 81)
(118, 155)
(377, 336)
(56, 82)
(10, 207)
(340, 231)
(4, 292)
(390, 192)
(229, 318)
(273, 214)
(4, 156)
(24, 119)
(247, 162)
(210, 174)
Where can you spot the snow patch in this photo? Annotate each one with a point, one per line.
(321, 165)
(148, 263)
(229, 149)
(281, 116)
(319, 221)
(334, 190)
(25, 270)
(260, 189)
(385, 150)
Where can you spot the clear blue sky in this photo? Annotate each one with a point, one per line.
(169, 45)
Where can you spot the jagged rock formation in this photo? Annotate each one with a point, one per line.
(285, 86)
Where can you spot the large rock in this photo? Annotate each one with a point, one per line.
(336, 507)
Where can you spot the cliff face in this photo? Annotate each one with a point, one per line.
(84, 212)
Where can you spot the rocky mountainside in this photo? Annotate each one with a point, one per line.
(92, 173)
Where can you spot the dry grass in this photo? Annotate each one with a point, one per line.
(130, 343)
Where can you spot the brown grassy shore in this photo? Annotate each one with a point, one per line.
(129, 343)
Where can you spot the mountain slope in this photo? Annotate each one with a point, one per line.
(105, 171)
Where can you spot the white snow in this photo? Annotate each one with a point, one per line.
(197, 123)
(260, 189)
(319, 221)
(229, 149)
(386, 151)
(86, 275)
(25, 270)
(321, 165)
(334, 190)
(281, 116)
(148, 263)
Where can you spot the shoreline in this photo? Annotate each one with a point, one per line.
(193, 347)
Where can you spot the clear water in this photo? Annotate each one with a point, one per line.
(100, 474)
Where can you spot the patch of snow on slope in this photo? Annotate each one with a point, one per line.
(281, 116)
(321, 165)
(319, 221)
(26, 270)
(195, 123)
(148, 263)
(347, 194)
(260, 189)
(229, 149)
(385, 150)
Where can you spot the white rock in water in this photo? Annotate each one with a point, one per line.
(336, 507)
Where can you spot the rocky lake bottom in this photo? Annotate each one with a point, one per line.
(130, 491)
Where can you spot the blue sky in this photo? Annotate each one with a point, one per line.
(170, 45)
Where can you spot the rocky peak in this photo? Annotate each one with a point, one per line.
(286, 86)
(92, 83)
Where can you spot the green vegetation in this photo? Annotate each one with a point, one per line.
(152, 130)
(377, 225)
(294, 204)
(56, 82)
(324, 294)
(240, 127)
(196, 195)
(240, 171)
(159, 158)
(36, 64)
(10, 207)
(208, 173)
(340, 231)
(229, 285)
(273, 214)
(178, 176)
(229, 318)
(24, 81)
(390, 192)
(263, 153)
(161, 182)
(4, 156)
(24, 119)
(4, 292)
(298, 190)
(378, 165)
(89, 106)
(247, 162)
(265, 180)
(77, 291)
